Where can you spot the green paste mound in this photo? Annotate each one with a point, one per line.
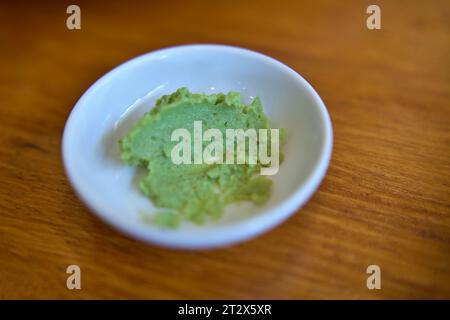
(194, 192)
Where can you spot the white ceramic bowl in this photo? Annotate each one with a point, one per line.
(111, 105)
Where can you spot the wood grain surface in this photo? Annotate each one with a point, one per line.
(384, 201)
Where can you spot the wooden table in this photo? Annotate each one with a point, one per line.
(384, 201)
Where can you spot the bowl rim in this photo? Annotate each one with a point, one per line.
(227, 234)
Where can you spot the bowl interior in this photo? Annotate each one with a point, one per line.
(111, 106)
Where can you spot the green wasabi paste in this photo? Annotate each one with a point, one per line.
(194, 192)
